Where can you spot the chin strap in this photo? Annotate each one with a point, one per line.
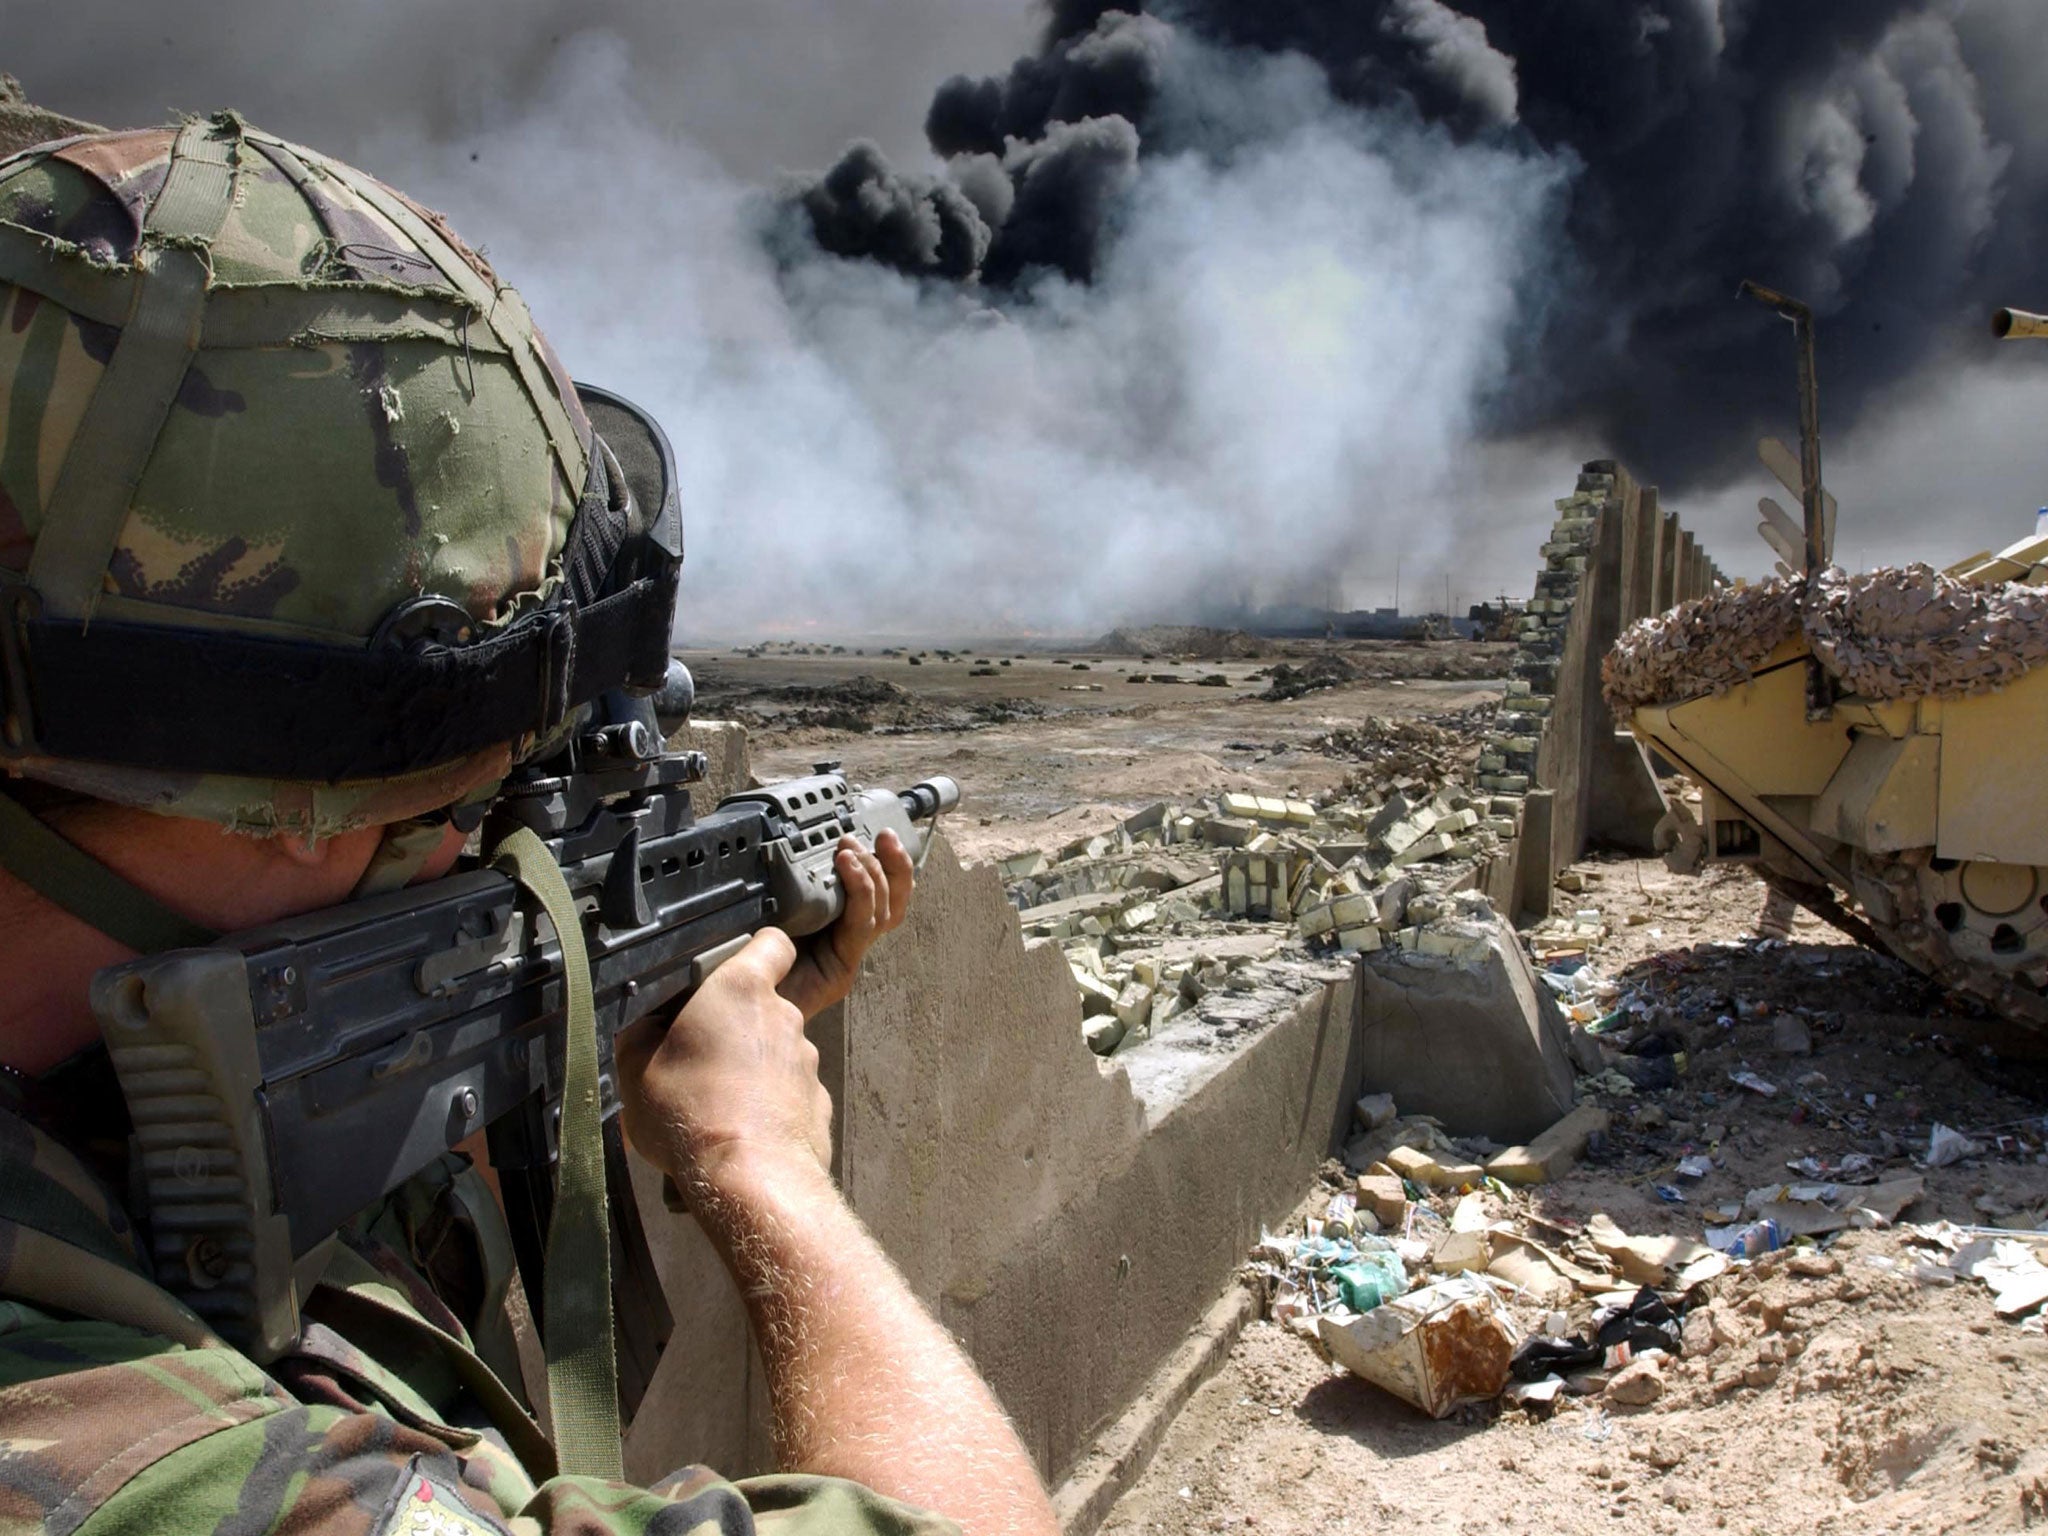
(67, 876)
(576, 1310)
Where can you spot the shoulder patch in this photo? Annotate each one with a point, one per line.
(426, 1506)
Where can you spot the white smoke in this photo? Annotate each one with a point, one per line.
(1274, 375)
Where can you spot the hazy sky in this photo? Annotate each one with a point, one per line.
(1280, 368)
(763, 85)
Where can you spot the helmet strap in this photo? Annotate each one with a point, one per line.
(68, 877)
(403, 853)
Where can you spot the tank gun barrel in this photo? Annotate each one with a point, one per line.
(2013, 324)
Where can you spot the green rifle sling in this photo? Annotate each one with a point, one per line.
(583, 1373)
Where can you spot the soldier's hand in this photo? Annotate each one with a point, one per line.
(878, 887)
(734, 1077)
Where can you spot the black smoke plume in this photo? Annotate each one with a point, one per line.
(1884, 159)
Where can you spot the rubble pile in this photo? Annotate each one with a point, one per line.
(1170, 906)
(1440, 1267)
(1434, 1269)
(1386, 750)
(865, 704)
(1285, 681)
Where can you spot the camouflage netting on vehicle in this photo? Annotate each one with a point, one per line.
(1705, 646)
(1896, 632)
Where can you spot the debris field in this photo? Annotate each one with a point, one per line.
(1773, 1262)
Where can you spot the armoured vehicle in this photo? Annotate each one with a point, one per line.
(1878, 737)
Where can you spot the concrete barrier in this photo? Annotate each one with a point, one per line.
(1068, 1219)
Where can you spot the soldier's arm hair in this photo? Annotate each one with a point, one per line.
(864, 1382)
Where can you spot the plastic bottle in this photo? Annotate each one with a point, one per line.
(1758, 1237)
(1374, 1278)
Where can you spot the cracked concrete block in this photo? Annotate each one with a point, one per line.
(1474, 1040)
(1134, 1004)
(1434, 846)
(1104, 1034)
(1228, 831)
(1359, 911)
(1398, 838)
(1448, 943)
(1150, 819)
(1140, 916)
(1360, 941)
(1396, 808)
(1097, 995)
(1551, 1154)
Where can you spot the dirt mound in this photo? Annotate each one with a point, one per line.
(1887, 634)
(1287, 682)
(863, 704)
(1181, 640)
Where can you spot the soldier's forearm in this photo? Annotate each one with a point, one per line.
(864, 1383)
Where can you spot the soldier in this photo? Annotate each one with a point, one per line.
(264, 422)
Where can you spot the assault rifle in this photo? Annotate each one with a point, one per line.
(284, 1078)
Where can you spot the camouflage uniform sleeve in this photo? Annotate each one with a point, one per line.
(698, 1502)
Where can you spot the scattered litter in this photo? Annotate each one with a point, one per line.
(1435, 1348)
(1745, 1240)
(1370, 1279)
(2003, 1261)
(1754, 1084)
(1946, 1145)
(1673, 1262)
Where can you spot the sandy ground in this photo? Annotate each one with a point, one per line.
(1055, 764)
(1842, 1396)
(1846, 1399)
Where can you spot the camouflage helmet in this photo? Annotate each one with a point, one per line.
(302, 525)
